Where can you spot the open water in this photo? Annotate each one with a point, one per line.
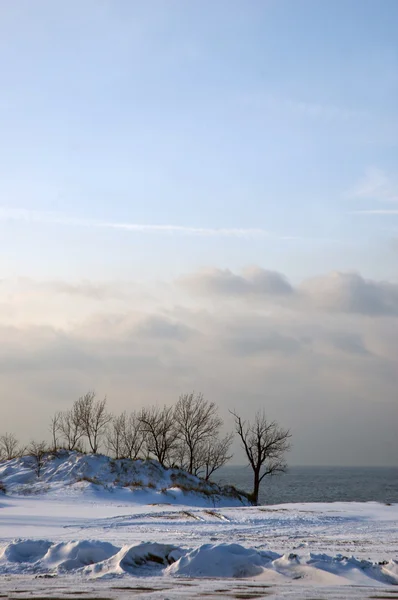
(319, 484)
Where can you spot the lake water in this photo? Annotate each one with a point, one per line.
(319, 484)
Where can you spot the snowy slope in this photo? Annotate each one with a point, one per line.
(72, 473)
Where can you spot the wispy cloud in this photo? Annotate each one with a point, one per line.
(30, 216)
(382, 211)
(312, 110)
(186, 230)
(325, 111)
(375, 185)
(49, 218)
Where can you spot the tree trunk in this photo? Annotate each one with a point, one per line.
(256, 488)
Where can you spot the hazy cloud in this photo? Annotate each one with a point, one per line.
(304, 356)
(352, 343)
(253, 281)
(249, 344)
(376, 185)
(163, 328)
(351, 293)
(334, 292)
(88, 289)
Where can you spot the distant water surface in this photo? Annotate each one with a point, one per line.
(319, 484)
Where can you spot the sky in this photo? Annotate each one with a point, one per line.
(203, 195)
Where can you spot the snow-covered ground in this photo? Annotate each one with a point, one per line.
(111, 544)
(74, 474)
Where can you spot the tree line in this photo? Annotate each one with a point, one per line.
(187, 435)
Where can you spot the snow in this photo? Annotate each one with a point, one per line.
(219, 560)
(112, 542)
(74, 474)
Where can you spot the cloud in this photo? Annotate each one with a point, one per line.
(349, 342)
(324, 111)
(295, 362)
(375, 185)
(335, 292)
(381, 211)
(35, 348)
(351, 293)
(252, 281)
(47, 218)
(312, 110)
(259, 343)
(56, 219)
(87, 289)
(159, 327)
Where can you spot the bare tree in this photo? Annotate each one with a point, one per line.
(70, 427)
(215, 454)
(158, 428)
(93, 419)
(38, 451)
(114, 435)
(9, 447)
(197, 423)
(265, 444)
(55, 429)
(132, 437)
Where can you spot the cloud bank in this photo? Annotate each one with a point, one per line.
(320, 356)
(334, 292)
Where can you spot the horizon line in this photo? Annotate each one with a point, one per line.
(361, 466)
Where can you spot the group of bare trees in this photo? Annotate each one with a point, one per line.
(186, 435)
(88, 418)
(9, 447)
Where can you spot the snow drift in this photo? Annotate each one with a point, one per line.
(137, 481)
(96, 559)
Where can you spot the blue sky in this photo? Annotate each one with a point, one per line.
(255, 133)
(217, 115)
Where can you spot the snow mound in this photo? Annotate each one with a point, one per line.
(69, 473)
(220, 560)
(89, 557)
(98, 559)
(72, 556)
(25, 551)
(141, 558)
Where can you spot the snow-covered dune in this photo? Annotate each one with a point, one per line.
(71, 473)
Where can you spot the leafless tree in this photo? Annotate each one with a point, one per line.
(114, 435)
(265, 444)
(9, 447)
(70, 427)
(197, 423)
(38, 451)
(215, 454)
(93, 418)
(158, 428)
(132, 437)
(55, 429)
